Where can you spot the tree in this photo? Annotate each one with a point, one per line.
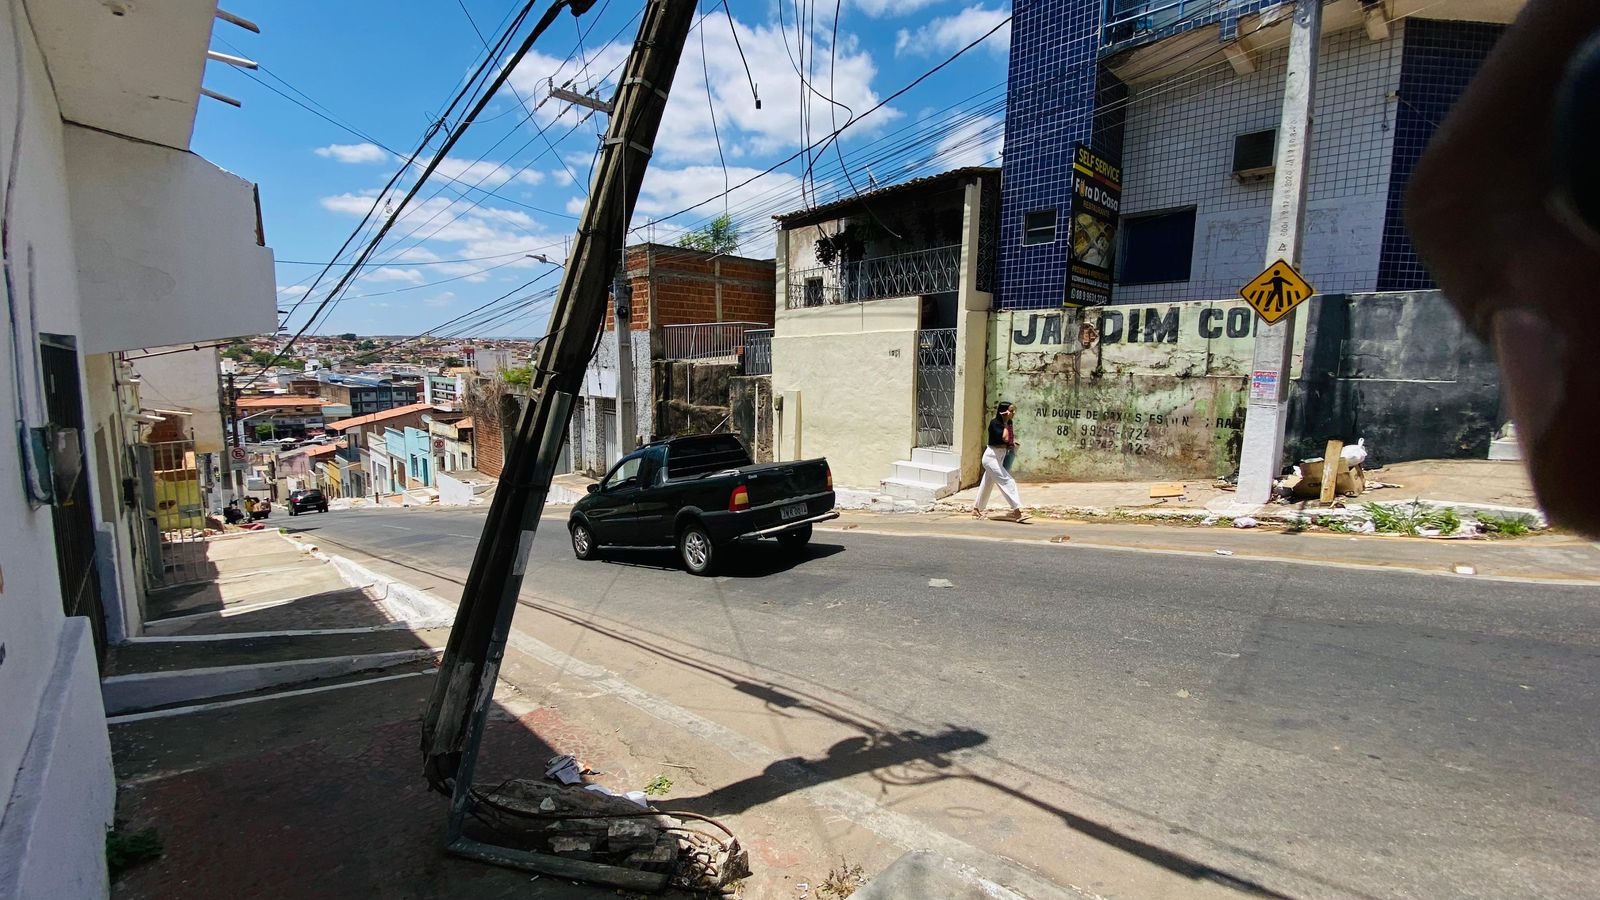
(262, 358)
(348, 336)
(454, 362)
(366, 345)
(236, 353)
(719, 235)
(522, 376)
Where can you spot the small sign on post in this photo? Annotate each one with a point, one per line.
(1276, 291)
(237, 458)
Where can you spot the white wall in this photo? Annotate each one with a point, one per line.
(853, 368)
(56, 804)
(168, 241)
(1178, 151)
(600, 382)
(187, 381)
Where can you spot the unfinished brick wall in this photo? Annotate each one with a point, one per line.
(675, 286)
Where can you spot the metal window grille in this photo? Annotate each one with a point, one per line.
(920, 272)
(711, 340)
(936, 387)
(758, 351)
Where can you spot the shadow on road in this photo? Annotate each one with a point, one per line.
(898, 758)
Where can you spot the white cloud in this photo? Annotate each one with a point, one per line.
(666, 191)
(393, 274)
(562, 177)
(974, 143)
(354, 153)
(951, 33)
(486, 174)
(444, 298)
(881, 8)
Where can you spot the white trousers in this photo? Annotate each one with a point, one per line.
(995, 475)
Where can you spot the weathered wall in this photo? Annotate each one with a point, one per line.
(1399, 370)
(1159, 391)
(1129, 393)
(750, 399)
(692, 398)
(854, 368)
(184, 381)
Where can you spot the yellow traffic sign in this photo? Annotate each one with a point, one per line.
(1276, 291)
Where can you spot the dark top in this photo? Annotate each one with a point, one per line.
(997, 432)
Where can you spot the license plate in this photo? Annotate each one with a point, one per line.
(792, 511)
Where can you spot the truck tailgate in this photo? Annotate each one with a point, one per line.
(770, 483)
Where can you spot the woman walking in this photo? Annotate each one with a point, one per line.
(1002, 439)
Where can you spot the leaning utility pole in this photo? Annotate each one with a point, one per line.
(464, 689)
(1266, 415)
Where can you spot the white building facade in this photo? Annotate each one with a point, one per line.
(118, 239)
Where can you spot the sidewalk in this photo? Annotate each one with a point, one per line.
(1467, 482)
(267, 728)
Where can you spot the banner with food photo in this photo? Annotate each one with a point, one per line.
(1096, 203)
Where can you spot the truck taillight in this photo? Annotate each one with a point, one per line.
(829, 469)
(740, 501)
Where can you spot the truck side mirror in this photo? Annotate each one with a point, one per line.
(594, 488)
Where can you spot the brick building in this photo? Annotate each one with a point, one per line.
(687, 305)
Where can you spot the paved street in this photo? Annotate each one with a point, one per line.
(1308, 730)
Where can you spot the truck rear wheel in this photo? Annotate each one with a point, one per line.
(696, 549)
(796, 538)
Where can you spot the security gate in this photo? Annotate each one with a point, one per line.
(175, 512)
(936, 387)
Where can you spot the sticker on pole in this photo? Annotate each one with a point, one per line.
(1275, 292)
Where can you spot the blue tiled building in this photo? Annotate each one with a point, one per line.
(1178, 93)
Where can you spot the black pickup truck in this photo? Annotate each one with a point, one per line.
(700, 495)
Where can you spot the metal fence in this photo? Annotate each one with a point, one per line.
(758, 351)
(710, 340)
(933, 271)
(175, 513)
(936, 387)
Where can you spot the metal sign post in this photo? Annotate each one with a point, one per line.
(1266, 415)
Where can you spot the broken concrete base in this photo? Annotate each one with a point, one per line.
(923, 874)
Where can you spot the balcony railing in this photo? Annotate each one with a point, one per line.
(935, 271)
(758, 351)
(711, 340)
(1128, 19)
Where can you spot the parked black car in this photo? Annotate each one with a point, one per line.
(305, 501)
(700, 495)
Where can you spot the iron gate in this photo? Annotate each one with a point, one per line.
(936, 387)
(175, 510)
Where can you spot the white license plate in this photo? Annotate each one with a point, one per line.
(793, 511)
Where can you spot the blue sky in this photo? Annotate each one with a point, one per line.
(386, 69)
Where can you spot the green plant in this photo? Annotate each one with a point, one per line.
(1412, 518)
(522, 376)
(658, 786)
(720, 235)
(126, 850)
(1508, 525)
(1342, 526)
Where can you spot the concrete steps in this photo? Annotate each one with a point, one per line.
(930, 474)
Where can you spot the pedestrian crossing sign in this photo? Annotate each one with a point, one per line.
(1277, 291)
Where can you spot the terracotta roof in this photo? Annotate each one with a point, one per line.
(370, 418)
(324, 450)
(465, 423)
(278, 402)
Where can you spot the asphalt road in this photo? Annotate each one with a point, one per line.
(1319, 731)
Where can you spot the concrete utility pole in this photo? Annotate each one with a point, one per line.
(1266, 416)
(464, 688)
(622, 294)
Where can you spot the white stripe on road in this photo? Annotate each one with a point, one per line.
(395, 527)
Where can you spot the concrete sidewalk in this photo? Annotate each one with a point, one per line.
(1468, 482)
(267, 728)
